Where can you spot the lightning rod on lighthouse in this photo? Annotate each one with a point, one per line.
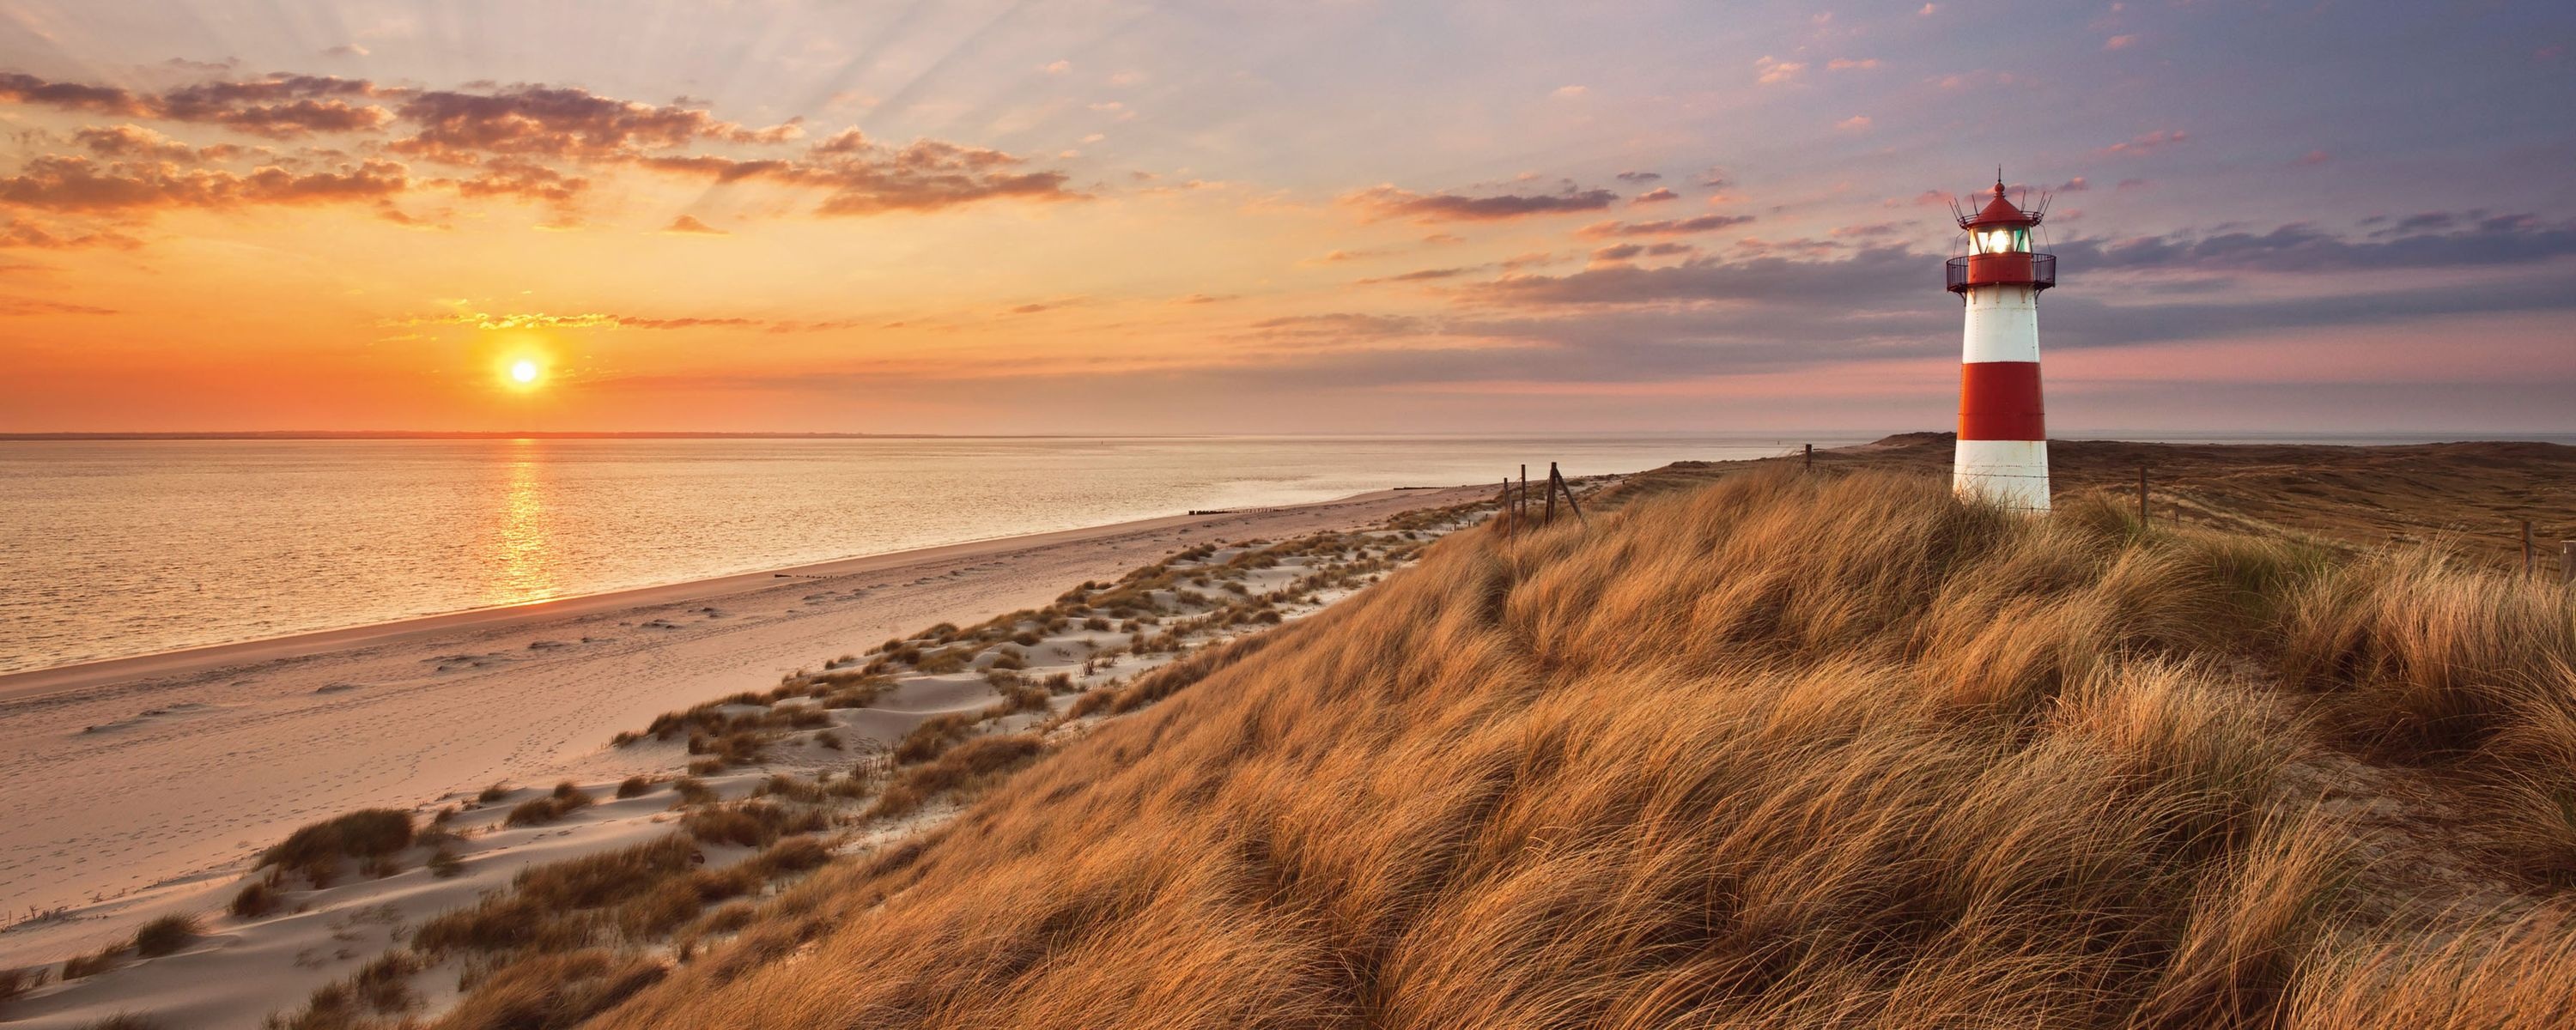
(2002, 453)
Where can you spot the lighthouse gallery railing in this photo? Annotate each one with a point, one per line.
(2043, 271)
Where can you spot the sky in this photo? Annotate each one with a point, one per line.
(1098, 216)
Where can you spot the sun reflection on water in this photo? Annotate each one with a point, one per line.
(523, 560)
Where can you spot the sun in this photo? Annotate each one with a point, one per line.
(523, 373)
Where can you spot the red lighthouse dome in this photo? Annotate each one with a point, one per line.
(1999, 251)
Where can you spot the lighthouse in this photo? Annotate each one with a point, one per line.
(2002, 453)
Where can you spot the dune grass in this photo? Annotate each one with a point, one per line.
(1779, 751)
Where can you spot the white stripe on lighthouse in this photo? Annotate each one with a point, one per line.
(2012, 473)
(2003, 324)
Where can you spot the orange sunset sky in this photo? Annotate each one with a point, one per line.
(1340, 217)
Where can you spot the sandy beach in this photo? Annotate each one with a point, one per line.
(143, 785)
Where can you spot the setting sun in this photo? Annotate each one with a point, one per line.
(524, 372)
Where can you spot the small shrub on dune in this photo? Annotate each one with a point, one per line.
(791, 788)
(792, 855)
(1094, 700)
(444, 864)
(96, 962)
(256, 898)
(636, 786)
(566, 799)
(933, 736)
(122, 1021)
(493, 793)
(14, 982)
(1023, 697)
(707, 767)
(315, 850)
(693, 791)
(660, 910)
(750, 824)
(961, 767)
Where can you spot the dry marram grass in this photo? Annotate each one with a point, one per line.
(1779, 751)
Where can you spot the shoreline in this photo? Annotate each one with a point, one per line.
(28, 684)
(142, 782)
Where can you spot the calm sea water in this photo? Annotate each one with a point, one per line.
(116, 548)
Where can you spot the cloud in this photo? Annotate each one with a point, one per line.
(1871, 230)
(2145, 143)
(1654, 196)
(17, 233)
(525, 142)
(132, 141)
(16, 306)
(1853, 123)
(1631, 251)
(1421, 276)
(689, 224)
(2432, 240)
(1846, 64)
(863, 177)
(1666, 227)
(1340, 256)
(2118, 42)
(585, 320)
(1568, 92)
(278, 107)
(346, 50)
(1390, 202)
(2313, 157)
(1339, 325)
(59, 183)
(19, 88)
(1771, 71)
(558, 121)
(1876, 273)
(1057, 67)
(1639, 178)
(523, 179)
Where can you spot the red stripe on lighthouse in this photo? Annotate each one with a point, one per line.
(1999, 400)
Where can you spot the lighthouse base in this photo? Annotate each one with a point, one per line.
(2010, 473)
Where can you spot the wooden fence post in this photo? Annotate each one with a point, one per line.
(1524, 491)
(1551, 494)
(1811, 458)
(1559, 483)
(1503, 505)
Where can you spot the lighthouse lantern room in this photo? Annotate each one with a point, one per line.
(2002, 453)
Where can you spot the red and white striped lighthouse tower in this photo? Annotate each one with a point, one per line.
(2003, 441)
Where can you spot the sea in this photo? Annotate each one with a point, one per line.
(113, 548)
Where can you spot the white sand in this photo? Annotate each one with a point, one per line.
(143, 786)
